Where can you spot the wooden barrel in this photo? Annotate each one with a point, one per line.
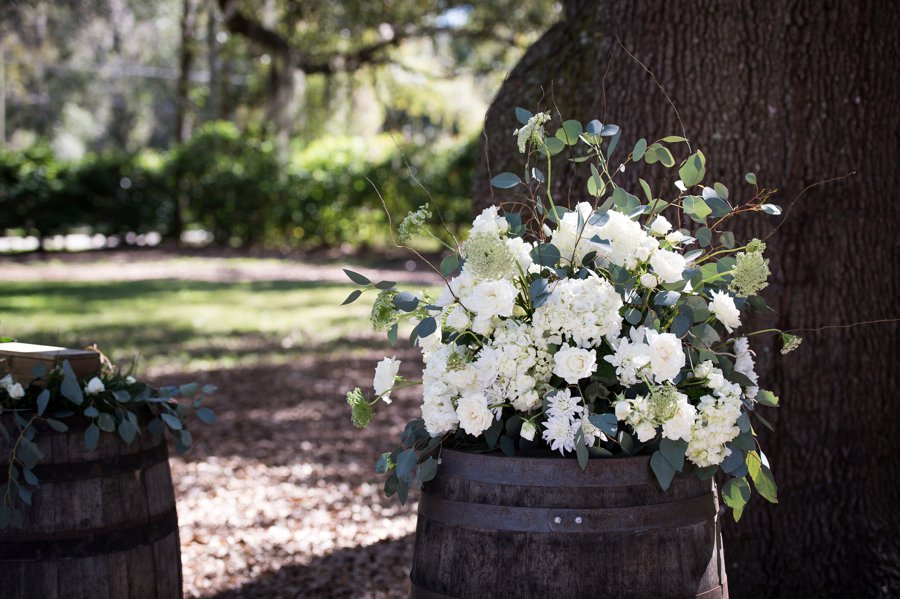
(492, 526)
(102, 525)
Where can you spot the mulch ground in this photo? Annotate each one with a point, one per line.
(278, 498)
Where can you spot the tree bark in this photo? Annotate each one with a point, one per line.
(798, 92)
(182, 109)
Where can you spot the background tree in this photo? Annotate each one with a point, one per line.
(798, 92)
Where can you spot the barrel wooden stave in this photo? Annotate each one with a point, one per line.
(619, 552)
(102, 525)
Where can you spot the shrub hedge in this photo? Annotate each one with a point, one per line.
(232, 184)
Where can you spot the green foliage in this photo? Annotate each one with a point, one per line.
(233, 185)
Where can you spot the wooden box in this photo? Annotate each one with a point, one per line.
(19, 359)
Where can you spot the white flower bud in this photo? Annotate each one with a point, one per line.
(648, 280)
(528, 430)
(95, 386)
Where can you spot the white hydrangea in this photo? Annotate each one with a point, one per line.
(680, 426)
(722, 306)
(520, 367)
(575, 243)
(490, 222)
(629, 243)
(744, 364)
(580, 310)
(521, 250)
(715, 425)
(457, 318)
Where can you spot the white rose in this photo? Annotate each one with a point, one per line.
(623, 410)
(660, 226)
(645, 431)
(648, 280)
(95, 386)
(574, 364)
(666, 355)
(668, 265)
(722, 305)
(385, 372)
(528, 430)
(492, 298)
(458, 319)
(15, 391)
(474, 415)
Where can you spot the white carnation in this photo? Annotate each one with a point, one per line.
(573, 364)
(474, 415)
(722, 305)
(385, 373)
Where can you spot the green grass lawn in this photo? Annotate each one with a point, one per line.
(188, 325)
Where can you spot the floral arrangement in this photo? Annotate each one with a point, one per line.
(114, 402)
(599, 330)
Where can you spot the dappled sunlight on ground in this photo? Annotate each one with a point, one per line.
(279, 498)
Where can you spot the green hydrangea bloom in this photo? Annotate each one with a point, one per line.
(360, 411)
(789, 342)
(664, 403)
(413, 222)
(751, 271)
(384, 312)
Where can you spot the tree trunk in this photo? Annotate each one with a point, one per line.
(182, 109)
(798, 92)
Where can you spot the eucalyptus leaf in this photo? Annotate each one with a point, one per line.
(523, 115)
(662, 469)
(506, 180)
(356, 277)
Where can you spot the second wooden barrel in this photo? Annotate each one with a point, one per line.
(491, 526)
(102, 525)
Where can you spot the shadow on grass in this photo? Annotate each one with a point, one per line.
(353, 572)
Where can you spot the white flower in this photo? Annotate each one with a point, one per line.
(703, 370)
(458, 318)
(668, 265)
(648, 280)
(722, 305)
(474, 415)
(629, 243)
(15, 391)
(489, 221)
(645, 431)
(492, 298)
(623, 409)
(676, 237)
(716, 379)
(6, 381)
(591, 433)
(580, 310)
(521, 249)
(528, 430)
(130, 380)
(744, 359)
(573, 364)
(385, 373)
(95, 386)
(680, 425)
(559, 433)
(666, 355)
(630, 357)
(562, 404)
(533, 130)
(660, 226)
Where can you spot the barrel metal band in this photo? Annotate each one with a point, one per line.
(417, 592)
(115, 464)
(19, 546)
(524, 519)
